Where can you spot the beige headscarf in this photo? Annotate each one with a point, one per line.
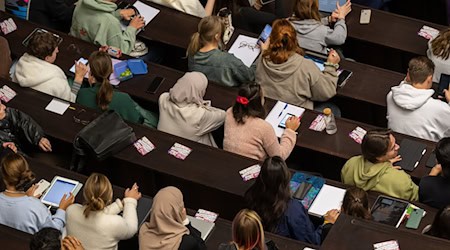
(165, 228)
(189, 89)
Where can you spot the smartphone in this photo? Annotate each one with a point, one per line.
(265, 33)
(344, 75)
(42, 187)
(157, 81)
(364, 18)
(415, 218)
(443, 84)
(283, 121)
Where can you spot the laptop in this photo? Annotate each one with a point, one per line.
(143, 209)
(204, 227)
(328, 6)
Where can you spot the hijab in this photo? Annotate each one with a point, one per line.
(189, 89)
(165, 229)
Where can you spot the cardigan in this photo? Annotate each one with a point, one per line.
(103, 229)
(256, 138)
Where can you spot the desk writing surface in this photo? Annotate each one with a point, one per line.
(389, 30)
(11, 238)
(350, 233)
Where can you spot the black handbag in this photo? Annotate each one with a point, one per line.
(106, 135)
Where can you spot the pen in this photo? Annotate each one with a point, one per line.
(72, 108)
(285, 106)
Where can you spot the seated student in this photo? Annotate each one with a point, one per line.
(50, 239)
(254, 18)
(374, 170)
(102, 96)
(183, 112)
(5, 58)
(247, 232)
(54, 14)
(168, 227)
(36, 69)
(19, 209)
(270, 197)
(439, 52)
(411, 108)
(247, 133)
(97, 224)
(355, 203)
(433, 189)
(20, 131)
(192, 7)
(205, 55)
(315, 33)
(441, 224)
(98, 22)
(286, 75)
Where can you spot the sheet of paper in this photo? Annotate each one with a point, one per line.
(57, 106)
(278, 112)
(329, 197)
(146, 11)
(246, 49)
(85, 62)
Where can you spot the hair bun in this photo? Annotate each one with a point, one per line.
(26, 177)
(97, 204)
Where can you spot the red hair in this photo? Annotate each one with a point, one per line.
(283, 42)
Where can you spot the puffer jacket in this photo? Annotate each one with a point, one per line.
(19, 128)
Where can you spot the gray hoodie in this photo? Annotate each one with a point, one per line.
(317, 36)
(414, 112)
(297, 81)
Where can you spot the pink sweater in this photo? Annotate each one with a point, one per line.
(256, 138)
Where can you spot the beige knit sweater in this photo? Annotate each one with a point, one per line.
(256, 138)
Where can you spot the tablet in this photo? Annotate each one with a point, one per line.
(388, 210)
(58, 187)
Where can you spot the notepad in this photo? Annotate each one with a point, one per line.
(146, 11)
(329, 197)
(57, 106)
(278, 112)
(245, 48)
(411, 153)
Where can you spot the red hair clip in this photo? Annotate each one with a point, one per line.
(242, 100)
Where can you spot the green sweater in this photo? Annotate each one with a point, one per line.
(222, 67)
(381, 177)
(98, 22)
(121, 103)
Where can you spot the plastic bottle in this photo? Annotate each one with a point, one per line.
(331, 127)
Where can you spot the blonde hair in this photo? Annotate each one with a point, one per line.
(97, 193)
(247, 230)
(307, 9)
(15, 171)
(208, 28)
(441, 45)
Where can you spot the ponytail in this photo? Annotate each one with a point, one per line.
(208, 28)
(356, 203)
(194, 45)
(104, 95)
(97, 193)
(16, 172)
(283, 42)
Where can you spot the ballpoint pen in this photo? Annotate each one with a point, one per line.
(285, 107)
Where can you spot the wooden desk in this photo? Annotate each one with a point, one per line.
(349, 233)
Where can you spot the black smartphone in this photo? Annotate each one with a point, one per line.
(157, 81)
(443, 84)
(344, 75)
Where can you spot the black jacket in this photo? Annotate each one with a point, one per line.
(55, 14)
(20, 128)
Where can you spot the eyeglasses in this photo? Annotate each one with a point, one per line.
(78, 120)
(248, 45)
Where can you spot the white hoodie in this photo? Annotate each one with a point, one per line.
(43, 76)
(414, 112)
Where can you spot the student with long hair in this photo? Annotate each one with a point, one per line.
(441, 224)
(286, 75)
(247, 133)
(183, 112)
(205, 55)
(374, 170)
(433, 188)
(19, 208)
(168, 227)
(97, 224)
(270, 197)
(102, 96)
(439, 52)
(247, 232)
(315, 33)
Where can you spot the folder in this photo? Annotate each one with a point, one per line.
(411, 153)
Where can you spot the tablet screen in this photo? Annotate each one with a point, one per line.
(318, 61)
(58, 190)
(388, 211)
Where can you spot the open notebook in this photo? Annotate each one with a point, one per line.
(329, 197)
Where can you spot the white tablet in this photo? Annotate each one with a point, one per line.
(58, 187)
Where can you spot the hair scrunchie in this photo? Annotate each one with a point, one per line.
(242, 100)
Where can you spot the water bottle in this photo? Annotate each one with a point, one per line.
(331, 127)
